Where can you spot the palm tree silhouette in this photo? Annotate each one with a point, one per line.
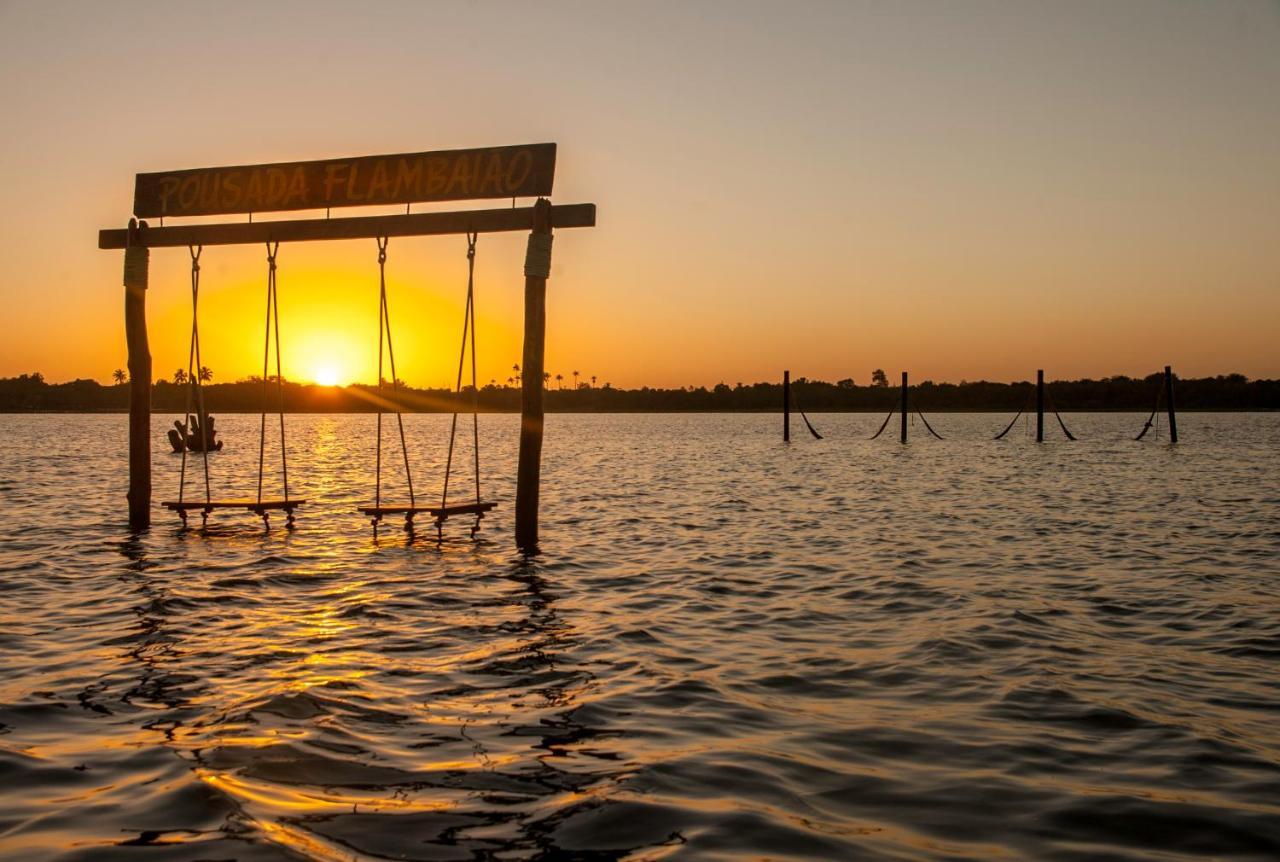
(575, 380)
(206, 374)
(593, 381)
(119, 375)
(559, 384)
(179, 377)
(546, 378)
(516, 369)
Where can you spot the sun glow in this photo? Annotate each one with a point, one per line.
(327, 375)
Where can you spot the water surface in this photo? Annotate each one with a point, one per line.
(729, 648)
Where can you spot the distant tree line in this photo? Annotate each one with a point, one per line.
(30, 392)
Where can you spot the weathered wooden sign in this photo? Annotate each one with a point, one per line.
(445, 175)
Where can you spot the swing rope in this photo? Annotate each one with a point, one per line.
(1154, 418)
(468, 326)
(273, 319)
(1014, 421)
(194, 365)
(384, 322)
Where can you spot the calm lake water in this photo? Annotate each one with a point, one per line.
(729, 648)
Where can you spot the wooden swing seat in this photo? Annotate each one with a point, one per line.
(440, 513)
(247, 503)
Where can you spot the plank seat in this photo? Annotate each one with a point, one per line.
(248, 503)
(438, 512)
(442, 512)
(379, 511)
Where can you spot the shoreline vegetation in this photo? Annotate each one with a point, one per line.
(30, 393)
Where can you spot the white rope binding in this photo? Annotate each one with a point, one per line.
(537, 256)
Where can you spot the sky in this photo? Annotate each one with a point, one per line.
(967, 190)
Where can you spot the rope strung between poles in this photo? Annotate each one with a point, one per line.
(194, 365)
(1014, 421)
(384, 322)
(807, 423)
(926, 424)
(1154, 418)
(468, 326)
(1052, 407)
(273, 319)
(884, 424)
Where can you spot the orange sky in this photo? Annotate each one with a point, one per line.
(963, 190)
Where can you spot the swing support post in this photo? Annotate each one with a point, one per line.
(1040, 405)
(904, 407)
(537, 268)
(786, 407)
(1168, 398)
(136, 265)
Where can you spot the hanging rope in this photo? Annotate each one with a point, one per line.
(1062, 424)
(1154, 419)
(927, 425)
(807, 423)
(384, 322)
(273, 321)
(1014, 421)
(468, 326)
(194, 365)
(884, 424)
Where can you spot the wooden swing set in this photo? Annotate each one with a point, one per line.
(515, 172)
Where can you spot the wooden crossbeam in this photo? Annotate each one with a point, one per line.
(361, 227)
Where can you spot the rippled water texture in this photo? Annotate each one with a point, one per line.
(729, 649)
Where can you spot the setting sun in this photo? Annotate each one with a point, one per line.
(327, 375)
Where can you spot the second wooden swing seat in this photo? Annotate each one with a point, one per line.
(439, 513)
(444, 511)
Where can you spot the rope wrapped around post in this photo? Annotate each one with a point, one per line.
(537, 255)
(137, 266)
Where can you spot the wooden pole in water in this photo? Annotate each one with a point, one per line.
(786, 407)
(537, 268)
(904, 407)
(1168, 397)
(136, 261)
(1040, 405)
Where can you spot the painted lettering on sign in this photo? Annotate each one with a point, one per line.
(498, 172)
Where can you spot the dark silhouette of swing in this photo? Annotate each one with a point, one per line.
(258, 505)
(444, 511)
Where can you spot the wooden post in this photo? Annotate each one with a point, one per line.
(1168, 397)
(537, 268)
(1040, 405)
(904, 407)
(786, 407)
(136, 261)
